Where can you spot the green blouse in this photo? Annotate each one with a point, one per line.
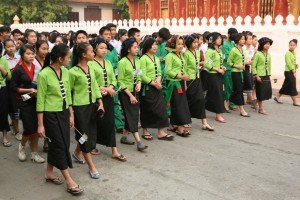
(129, 73)
(105, 75)
(192, 63)
(4, 64)
(290, 61)
(236, 57)
(213, 58)
(82, 93)
(261, 64)
(175, 65)
(50, 97)
(150, 68)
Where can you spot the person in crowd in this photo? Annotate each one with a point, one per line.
(31, 37)
(4, 34)
(16, 34)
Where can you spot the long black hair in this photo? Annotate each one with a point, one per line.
(212, 37)
(126, 45)
(60, 50)
(39, 43)
(24, 48)
(78, 50)
(148, 45)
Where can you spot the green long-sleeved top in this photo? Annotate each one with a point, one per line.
(175, 65)
(290, 61)
(226, 48)
(213, 58)
(50, 97)
(4, 64)
(81, 93)
(128, 74)
(161, 53)
(236, 58)
(113, 57)
(105, 75)
(192, 63)
(150, 71)
(261, 65)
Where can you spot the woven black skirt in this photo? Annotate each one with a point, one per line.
(237, 94)
(57, 127)
(4, 125)
(248, 80)
(152, 107)
(29, 117)
(196, 99)
(214, 97)
(289, 85)
(264, 89)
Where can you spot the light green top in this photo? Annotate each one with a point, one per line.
(81, 93)
(4, 64)
(236, 57)
(213, 58)
(290, 61)
(261, 65)
(128, 76)
(49, 96)
(226, 48)
(192, 63)
(105, 75)
(174, 66)
(150, 70)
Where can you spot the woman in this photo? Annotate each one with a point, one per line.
(129, 81)
(194, 91)
(237, 61)
(289, 85)
(85, 93)
(261, 66)
(213, 62)
(153, 111)
(55, 116)
(176, 91)
(24, 83)
(106, 134)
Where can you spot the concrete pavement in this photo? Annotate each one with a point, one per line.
(256, 158)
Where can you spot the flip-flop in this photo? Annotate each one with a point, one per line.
(275, 99)
(120, 158)
(95, 152)
(75, 190)
(181, 134)
(55, 180)
(172, 129)
(7, 144)
(294, 104)
(124, 140)
(167, 137)
(147, 136)
(187, 126)
(186, 132)
(78, 160)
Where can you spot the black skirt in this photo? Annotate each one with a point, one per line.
(289, 85)
(29, 117)
(86, 124)
(248, 80)
(152, 107)
(4, 125)
(57, 127)
(264, 89)
(180, 113)
(131, 112)
(196, 99)
(237, 94)
(214, 97)
(12, 103)
(204, 76)
(106, 134)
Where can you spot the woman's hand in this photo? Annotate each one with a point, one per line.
(221, 71)
(133, 100)
(71, 119)
(111, 91)
(258, 79)
(138, 87)
(33, 92)
(185, 77)
(41, 131)
(103, 92)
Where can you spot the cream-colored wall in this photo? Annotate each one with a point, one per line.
(106, 11)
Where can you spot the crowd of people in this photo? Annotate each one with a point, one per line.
(118, 81)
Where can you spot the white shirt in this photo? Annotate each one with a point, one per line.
(204, 48)
(50, 46)
(12, 62)
(117, 44)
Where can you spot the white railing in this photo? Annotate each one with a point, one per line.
(276, 29)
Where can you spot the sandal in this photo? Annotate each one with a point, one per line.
(78, 160)
(262, 111)
(207, 127)
(245, 115)
(55, 180)
(7, 144)
(95, 175)
(124, 140)
(187, 126)
(147, 136)
(275, 99)
(120, 158)
(294, 104)
(182, 134)
(95, 152)
(75, 190)
(167, 137)
(186, 132)
(172, 129)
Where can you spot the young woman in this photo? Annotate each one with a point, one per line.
(4, 125)
(24, 82)
(129, 79)
(289, 85)
(12, 58)
(176, 94)
(213, 62)
(55, 116)
(85, 94)
(237, 61)
(261, 68)
(153, 111)
(31, 37)
(106, 80)
(194, 91)
(122, 36)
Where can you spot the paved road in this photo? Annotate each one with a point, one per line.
(245, 159)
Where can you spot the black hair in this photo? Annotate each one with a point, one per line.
(148, 45)
(16, 31)
(53, 37)
(39, 43)
(23, 40)
(96, 41)
(232, 31)
(111, 25)
(103, 29)
(78, 50)
(144, 38)
(4, 44)
(60, 50)
(4, 29)
(132, 31)
(236, 37)
(64, 39)
(72, 40)
(189, 39)
(212, 37)
(71, 32)
(164, 33)
(28, 31)
(26, 47)
(247, 34)
(205, 36)
(121, 32)
(154, 35)
(254, 36)
(126, 45)
(294, 41)
(80, 32)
